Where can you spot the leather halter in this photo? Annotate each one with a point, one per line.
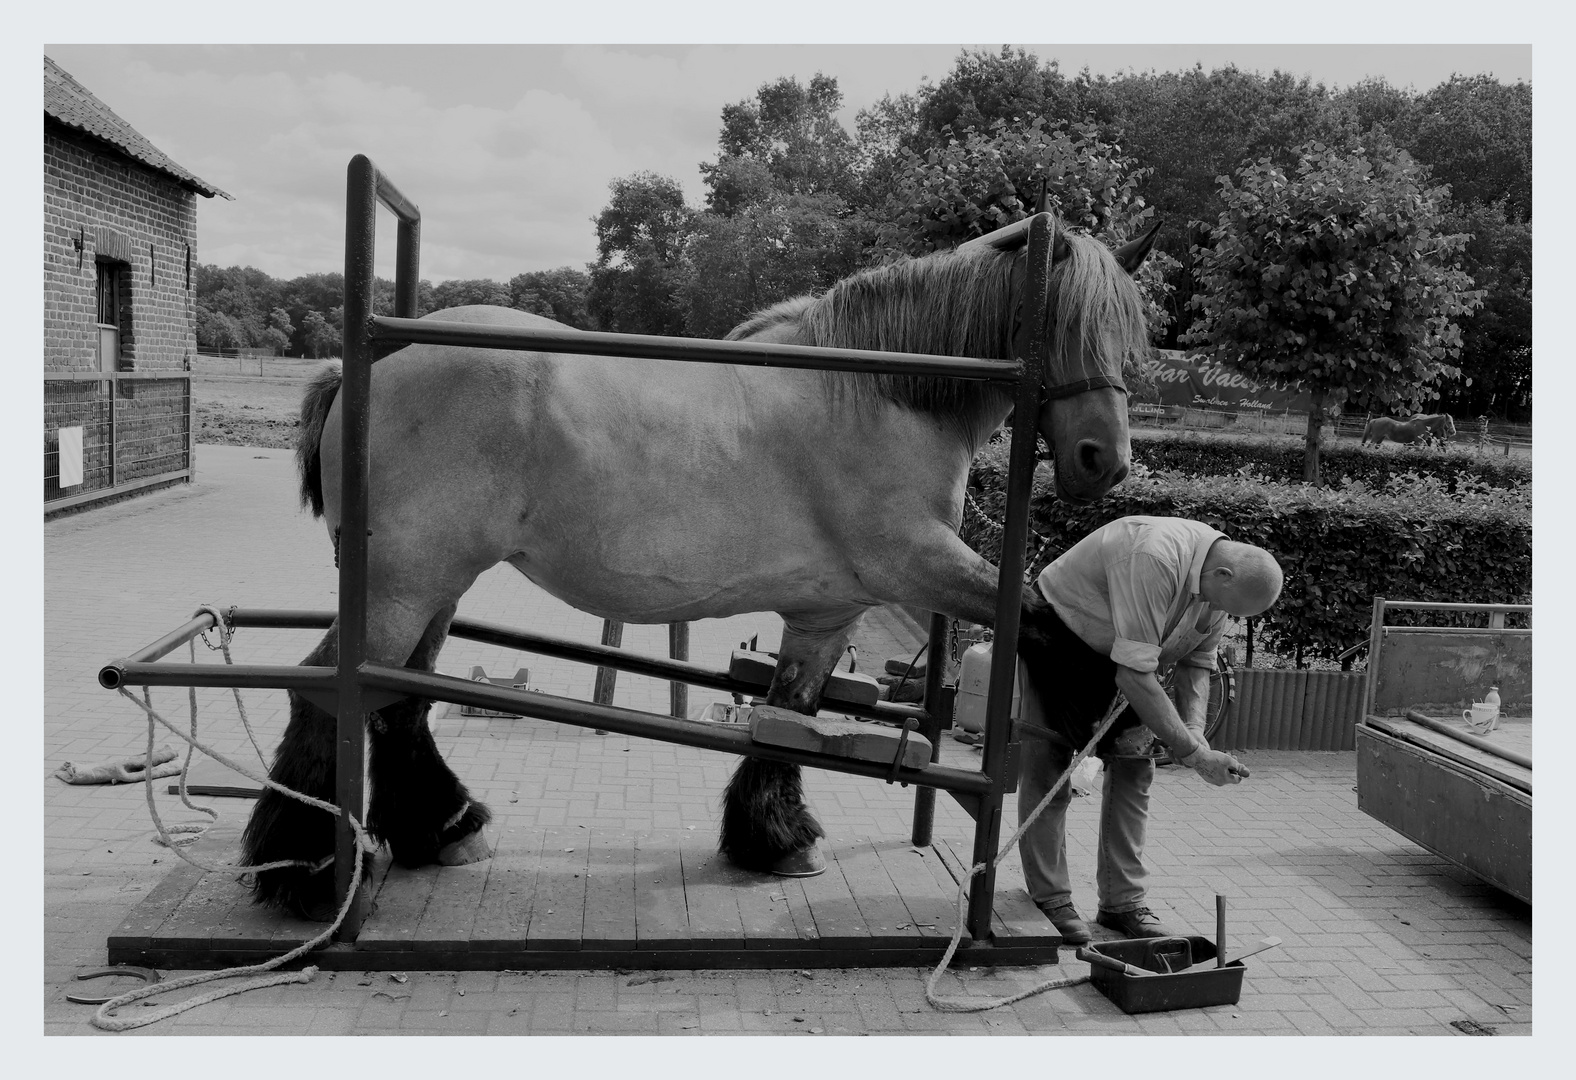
(1020, 272)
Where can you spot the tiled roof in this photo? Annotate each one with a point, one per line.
(70, 103)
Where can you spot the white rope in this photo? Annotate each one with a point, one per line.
(364, 845)
(1118, 703)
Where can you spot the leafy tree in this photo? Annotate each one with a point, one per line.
(558, 294)
(465, 292)
(774, 248)
(216, 330)
(321, 339)
(1475, 134)
(1496, 344)
(637, 274)
(790, 133)
(278, 331)
(1336, 277)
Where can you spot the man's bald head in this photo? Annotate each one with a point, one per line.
(1240, 579)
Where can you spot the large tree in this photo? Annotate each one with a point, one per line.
(1336, 276)
(558, 294)
(640, 241)
(1496, 343)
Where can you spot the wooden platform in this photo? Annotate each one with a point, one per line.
(577, 898)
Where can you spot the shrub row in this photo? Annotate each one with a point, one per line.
(1411, 539)
(1279, 457)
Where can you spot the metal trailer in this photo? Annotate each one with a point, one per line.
(1466, 798)
(357, 687)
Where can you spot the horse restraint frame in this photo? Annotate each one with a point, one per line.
(356, 687)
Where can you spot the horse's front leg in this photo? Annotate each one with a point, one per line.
(765, 822)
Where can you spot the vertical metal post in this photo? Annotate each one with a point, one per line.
(607, 677)
(938, 717)
(407, 267)
(1029, 345)
(361, 205)
(678, 649)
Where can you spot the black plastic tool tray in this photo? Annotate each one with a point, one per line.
(1195, 987)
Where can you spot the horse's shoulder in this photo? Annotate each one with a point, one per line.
(491, 314)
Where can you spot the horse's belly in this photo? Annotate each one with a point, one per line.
(699, 566)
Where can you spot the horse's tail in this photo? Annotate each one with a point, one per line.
(315, 403)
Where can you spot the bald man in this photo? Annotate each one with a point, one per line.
(1132, 600)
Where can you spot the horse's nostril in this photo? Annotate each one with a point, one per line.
(1089, 459)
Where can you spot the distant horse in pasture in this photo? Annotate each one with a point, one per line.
(665, 491)
(1380, 428)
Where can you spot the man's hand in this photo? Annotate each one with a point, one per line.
(1217, 767)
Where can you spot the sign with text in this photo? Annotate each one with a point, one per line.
(1189, 380)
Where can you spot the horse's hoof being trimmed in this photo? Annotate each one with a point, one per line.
(806, 862)
(472, 847)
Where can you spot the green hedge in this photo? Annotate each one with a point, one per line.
(1279, 457)
(1412, 539)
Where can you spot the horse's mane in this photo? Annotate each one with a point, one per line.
(962, 304)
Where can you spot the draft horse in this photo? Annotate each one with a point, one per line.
(1380, 428)
(823, 494)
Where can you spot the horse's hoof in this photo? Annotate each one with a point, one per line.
(472, 847)
(806, 862)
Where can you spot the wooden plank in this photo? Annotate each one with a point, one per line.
(710, 897)
(558, 916)
(503, 914)
(1463, 753)
(766, 909)
(661, 918)
(772, 726)
(403, 897)
(446, 921)
(873, 890)
(1014, 918)
(838, 921)
(758, 668)
(930, 913)
(137, 929)
(1460, 814)
(192, 924)
(610, 890)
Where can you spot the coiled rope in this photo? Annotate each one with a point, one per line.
(103, 1019)
(945, 1004)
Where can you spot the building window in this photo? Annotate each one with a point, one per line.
(111, 293)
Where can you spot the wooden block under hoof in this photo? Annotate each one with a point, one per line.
(759, 667)
(838, 738)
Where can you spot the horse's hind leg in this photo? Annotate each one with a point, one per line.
(418, 806)
(765, 822)
(282, 827)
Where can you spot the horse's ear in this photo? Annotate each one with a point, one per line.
(1130, 256)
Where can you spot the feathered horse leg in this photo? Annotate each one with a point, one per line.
(765, 822)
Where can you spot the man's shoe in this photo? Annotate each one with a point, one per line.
(1138, 923)
(1069, 925)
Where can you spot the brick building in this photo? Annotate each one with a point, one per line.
(120, 245)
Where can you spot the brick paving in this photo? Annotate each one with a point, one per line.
(1379, 936)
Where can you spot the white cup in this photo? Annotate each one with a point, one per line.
(1481, 717)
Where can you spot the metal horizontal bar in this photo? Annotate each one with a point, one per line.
(116, 376)
(1442, 606)
(118, 673)
(701, 350)
(565, 649)
(110, 492)
(1456, 629)
(391, 197)
(733, 739)
(173, 640)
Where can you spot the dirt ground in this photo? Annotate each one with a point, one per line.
(238, 411)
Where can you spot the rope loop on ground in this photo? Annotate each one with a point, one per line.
(103, 1019)
(946, 1004)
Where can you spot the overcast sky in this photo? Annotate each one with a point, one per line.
(509, 149)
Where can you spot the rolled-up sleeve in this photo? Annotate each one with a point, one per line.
(1141, 588)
